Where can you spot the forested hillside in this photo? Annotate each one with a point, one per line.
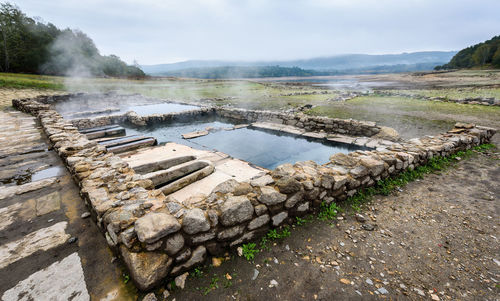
(486, 54)
(28, 45)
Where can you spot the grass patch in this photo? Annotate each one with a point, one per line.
(29, 81)
(388, 185)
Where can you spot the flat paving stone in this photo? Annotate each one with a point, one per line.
(40, 240)
(62, 280)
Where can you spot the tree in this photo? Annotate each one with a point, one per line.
(31, 46)
(480, 56)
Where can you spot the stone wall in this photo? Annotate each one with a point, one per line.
(485, 101)
(158, 238)
(309, 123)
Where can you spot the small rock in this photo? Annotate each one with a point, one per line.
(180, 281)
(240, 251)
(369, 281)
(255, 274)
(166, 294)
(216, 261)
(150, 297)
(419, 291)
(273, 283)
(383, 291)
(72, 240)
(85, 214)
(50, 220)
(345, 281)
(368, 227)
(435, 297)
(360, 218)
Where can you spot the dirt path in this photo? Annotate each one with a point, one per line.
(436, 239)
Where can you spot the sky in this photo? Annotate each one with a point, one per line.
(167, 31)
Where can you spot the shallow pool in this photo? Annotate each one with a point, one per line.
(266, 149)
(160, 108)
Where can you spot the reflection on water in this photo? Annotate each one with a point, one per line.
(160, 108)
(47, 173)
(263, 148)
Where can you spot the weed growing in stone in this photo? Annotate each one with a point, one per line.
(249, 251)
(197, 273)
(328, 212)
(387, 186)
(126, 278)
(274, 234)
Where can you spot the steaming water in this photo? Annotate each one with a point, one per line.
(82, 107)
(161, 108)
(267, 149)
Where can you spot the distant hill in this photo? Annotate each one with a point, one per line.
(227, 72)
(347, 63)
(485, 54)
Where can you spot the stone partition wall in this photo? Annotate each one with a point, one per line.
(309, 123)
(158, 238)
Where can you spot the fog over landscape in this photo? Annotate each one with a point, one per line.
(156, 32)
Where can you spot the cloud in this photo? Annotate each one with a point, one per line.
(156, 31)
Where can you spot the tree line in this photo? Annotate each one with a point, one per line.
(29, 45)
(485, 54)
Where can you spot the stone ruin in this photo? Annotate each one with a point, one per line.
(159, 238)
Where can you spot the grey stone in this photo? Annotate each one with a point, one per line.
(294, 199)
(260, 209)
(279, 218)
(235, 210)
(226, 187)
(262, 181)
(194, 221)
(127, 237)
(258, 222)
(244, 238)
(229, 233)
(174, 244)
(359, 171)
(155, 225)
(283, 170)
(368, 227)
(339, 181)
(180, 281)
(303, 207)
(201, 238)
(146, 268)
(376, 167)
(150, 297)
(270, 196)
(288, 185)
(197, 257)
(183, 256)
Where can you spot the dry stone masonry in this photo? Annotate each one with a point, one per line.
(157, 237)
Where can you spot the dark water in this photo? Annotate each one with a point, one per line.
(161, 108)
(267, 149)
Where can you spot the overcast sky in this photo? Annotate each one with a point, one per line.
(165, 31)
